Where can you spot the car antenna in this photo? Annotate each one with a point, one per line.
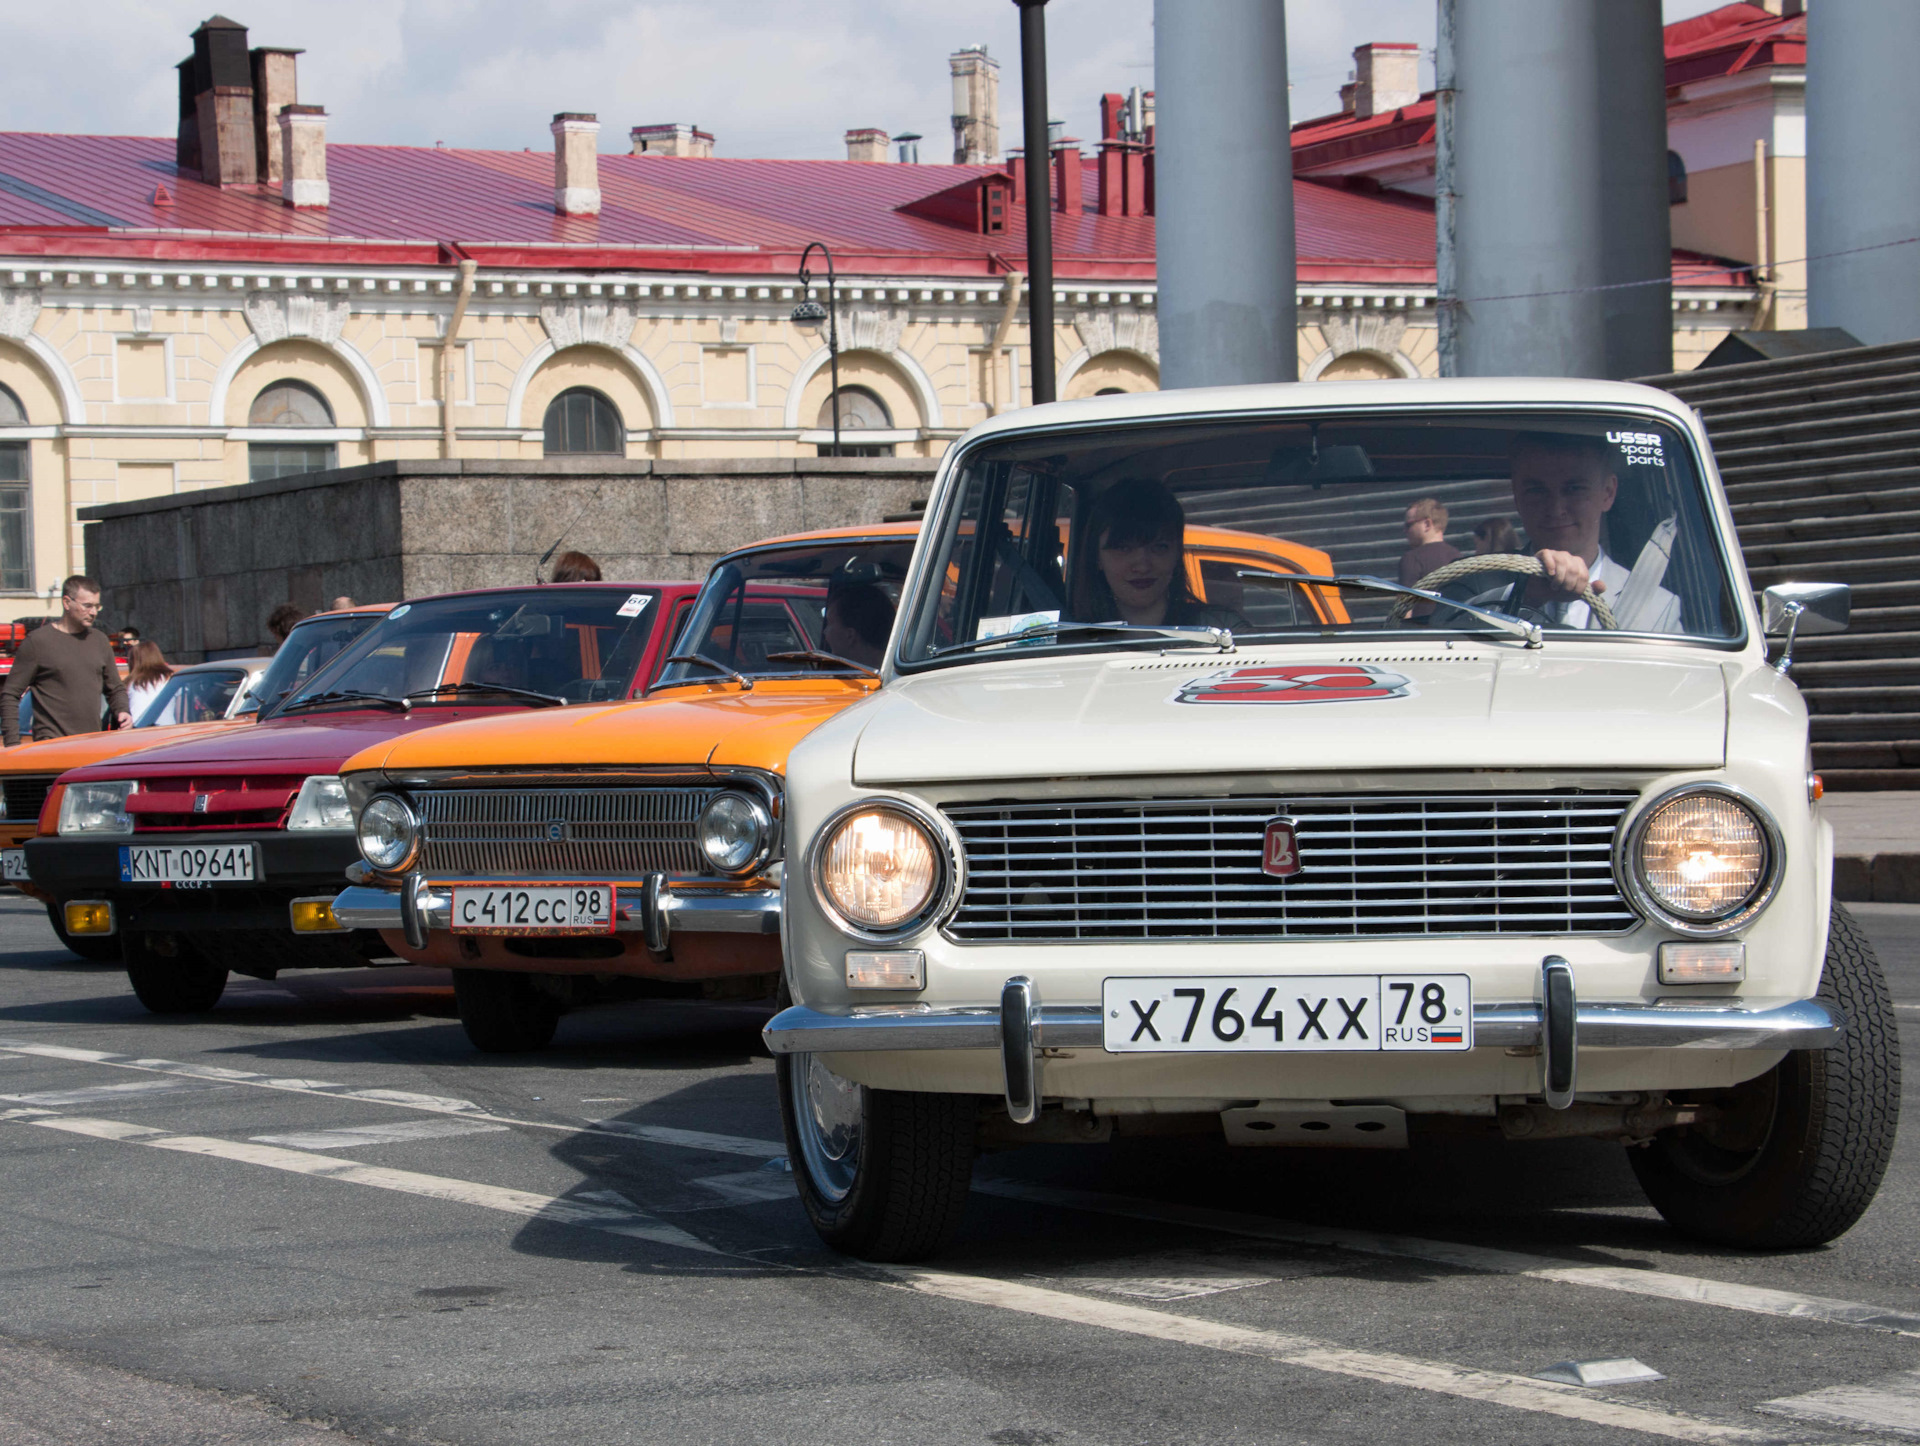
(548, 554)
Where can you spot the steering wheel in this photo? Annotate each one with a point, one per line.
(1511, 563)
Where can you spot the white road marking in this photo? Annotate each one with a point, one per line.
(1494, 1387)
(394, 1133)
(748, 1187)
(1660, 1284)
(594, 1215)
(1891, 1404)
(686, 1139)
(108, 1094)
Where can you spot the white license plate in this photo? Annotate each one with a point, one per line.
(1288, 1014)
(511, 909)
(189, 864)
(13, 864)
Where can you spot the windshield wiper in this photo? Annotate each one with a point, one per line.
(1518, 628)
(819, 655)
(746, 683)
(551, 700)
(348, 695)
(1199, 636)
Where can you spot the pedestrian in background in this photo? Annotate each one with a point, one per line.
(281, 620)
(1427, 547)
(1496, 534)
(70, 667)
(147, 673)
(575, 567)
(340, 604)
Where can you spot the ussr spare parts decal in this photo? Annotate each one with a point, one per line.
(1297, 683)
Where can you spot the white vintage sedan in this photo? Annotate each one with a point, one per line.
(1504, 820)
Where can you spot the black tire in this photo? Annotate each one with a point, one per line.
(502, 1012)
(1795, 1156)
(100, 948)
(170, 976)
(894, 1187)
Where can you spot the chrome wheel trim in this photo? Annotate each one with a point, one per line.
(827, 1113)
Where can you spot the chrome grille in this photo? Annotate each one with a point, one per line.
(1373, 865)
(603, 832)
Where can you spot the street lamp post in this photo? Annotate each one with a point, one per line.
(809, 314)
(1039, 163)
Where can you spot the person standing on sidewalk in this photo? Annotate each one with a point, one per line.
(69, 665)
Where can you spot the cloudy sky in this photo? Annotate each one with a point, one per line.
(767, 77)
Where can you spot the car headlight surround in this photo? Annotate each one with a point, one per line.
(735, 833)
(388, 832)
(883, 868)
(97, 807)
(322, 804)
(1702, 859)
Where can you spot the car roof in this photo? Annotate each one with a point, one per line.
(251, 665)
(646, 584)
(874, 532)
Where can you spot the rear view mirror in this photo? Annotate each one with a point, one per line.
(1807, 607)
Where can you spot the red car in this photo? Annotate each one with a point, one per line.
(223, 853)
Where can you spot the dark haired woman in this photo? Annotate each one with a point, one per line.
(1136, 571)
(147, 673)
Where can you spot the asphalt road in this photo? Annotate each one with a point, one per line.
(318, 1214)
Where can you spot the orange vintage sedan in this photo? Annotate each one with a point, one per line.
(635, 850)
(202, 698)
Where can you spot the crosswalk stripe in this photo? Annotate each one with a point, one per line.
(109, 1093)
(394, 1132)
(1891, 1404)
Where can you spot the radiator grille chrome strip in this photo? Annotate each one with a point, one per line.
(588, 833)
(1373, 865)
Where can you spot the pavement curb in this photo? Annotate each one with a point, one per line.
(1889, 878)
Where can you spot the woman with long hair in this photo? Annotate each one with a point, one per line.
(1135, 571)
(147, 673)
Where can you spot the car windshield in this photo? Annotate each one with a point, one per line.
(1146, 530)
(313, 643)
(193, 697)
(818, 607)
(541, 644)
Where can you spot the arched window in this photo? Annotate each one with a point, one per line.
(16, 575)
(581, 420)
(861, 410)
(1358, 366)
(295, 406)
(1676, 179)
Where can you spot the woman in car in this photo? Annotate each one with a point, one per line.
(1136, 572)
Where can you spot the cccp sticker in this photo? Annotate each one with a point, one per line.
(1297, 683)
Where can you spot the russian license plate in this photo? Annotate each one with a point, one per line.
(1288, 1014)
(547, 909)
(189, 864)
(13, 864)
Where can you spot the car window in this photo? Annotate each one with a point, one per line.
(313, 643)
(196, 697)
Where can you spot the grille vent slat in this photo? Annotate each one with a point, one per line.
(1375, 865)
(609, 832)
(26, 795)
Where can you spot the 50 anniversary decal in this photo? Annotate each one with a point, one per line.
(1297, 683)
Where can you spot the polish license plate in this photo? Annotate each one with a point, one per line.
(189, 864)
(13, 864)
(546, 909)
(1288, 1014)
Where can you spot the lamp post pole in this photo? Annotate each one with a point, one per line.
(809, 314)
(1039, 165)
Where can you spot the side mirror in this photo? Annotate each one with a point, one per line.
(1815, 607)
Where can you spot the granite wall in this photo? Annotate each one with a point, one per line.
(199, 572)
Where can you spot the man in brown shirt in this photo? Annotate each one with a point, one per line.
(69, 665)
(1427, 547)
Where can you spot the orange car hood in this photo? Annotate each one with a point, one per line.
(57, 755)
(718, 727)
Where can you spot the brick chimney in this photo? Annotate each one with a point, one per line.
(275, 84)
(576, 163)
(976, 106)
(303, 156)
(867, 145)
(1386, 76)
(672, 140)
(223, 103)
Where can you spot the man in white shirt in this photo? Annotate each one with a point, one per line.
(1563, 486)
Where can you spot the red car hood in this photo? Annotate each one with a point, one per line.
(313, 743)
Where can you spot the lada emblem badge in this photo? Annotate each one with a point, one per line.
(200, 802)
(557, 831)
(1280, 855)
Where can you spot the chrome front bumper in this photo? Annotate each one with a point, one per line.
(1557, 1026)
(654, 910)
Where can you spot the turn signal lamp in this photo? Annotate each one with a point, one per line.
(89, 917)
(889, 969)
(314, 916)
(1689, 963)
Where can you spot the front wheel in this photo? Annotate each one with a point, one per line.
(170, 976)
(883, 1174)
(1792, 1159)
(502, 1012)
(100, 948)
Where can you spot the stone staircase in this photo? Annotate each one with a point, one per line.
(1821, 460)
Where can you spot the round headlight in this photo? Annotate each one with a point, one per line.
(389, 833)
(1705, 857)
(734, 831)
(879, 868)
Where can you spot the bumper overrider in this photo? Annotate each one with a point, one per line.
(1557, 1025)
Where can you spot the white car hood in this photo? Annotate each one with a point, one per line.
(1566, 705)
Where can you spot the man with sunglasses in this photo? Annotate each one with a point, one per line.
(69, 665)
